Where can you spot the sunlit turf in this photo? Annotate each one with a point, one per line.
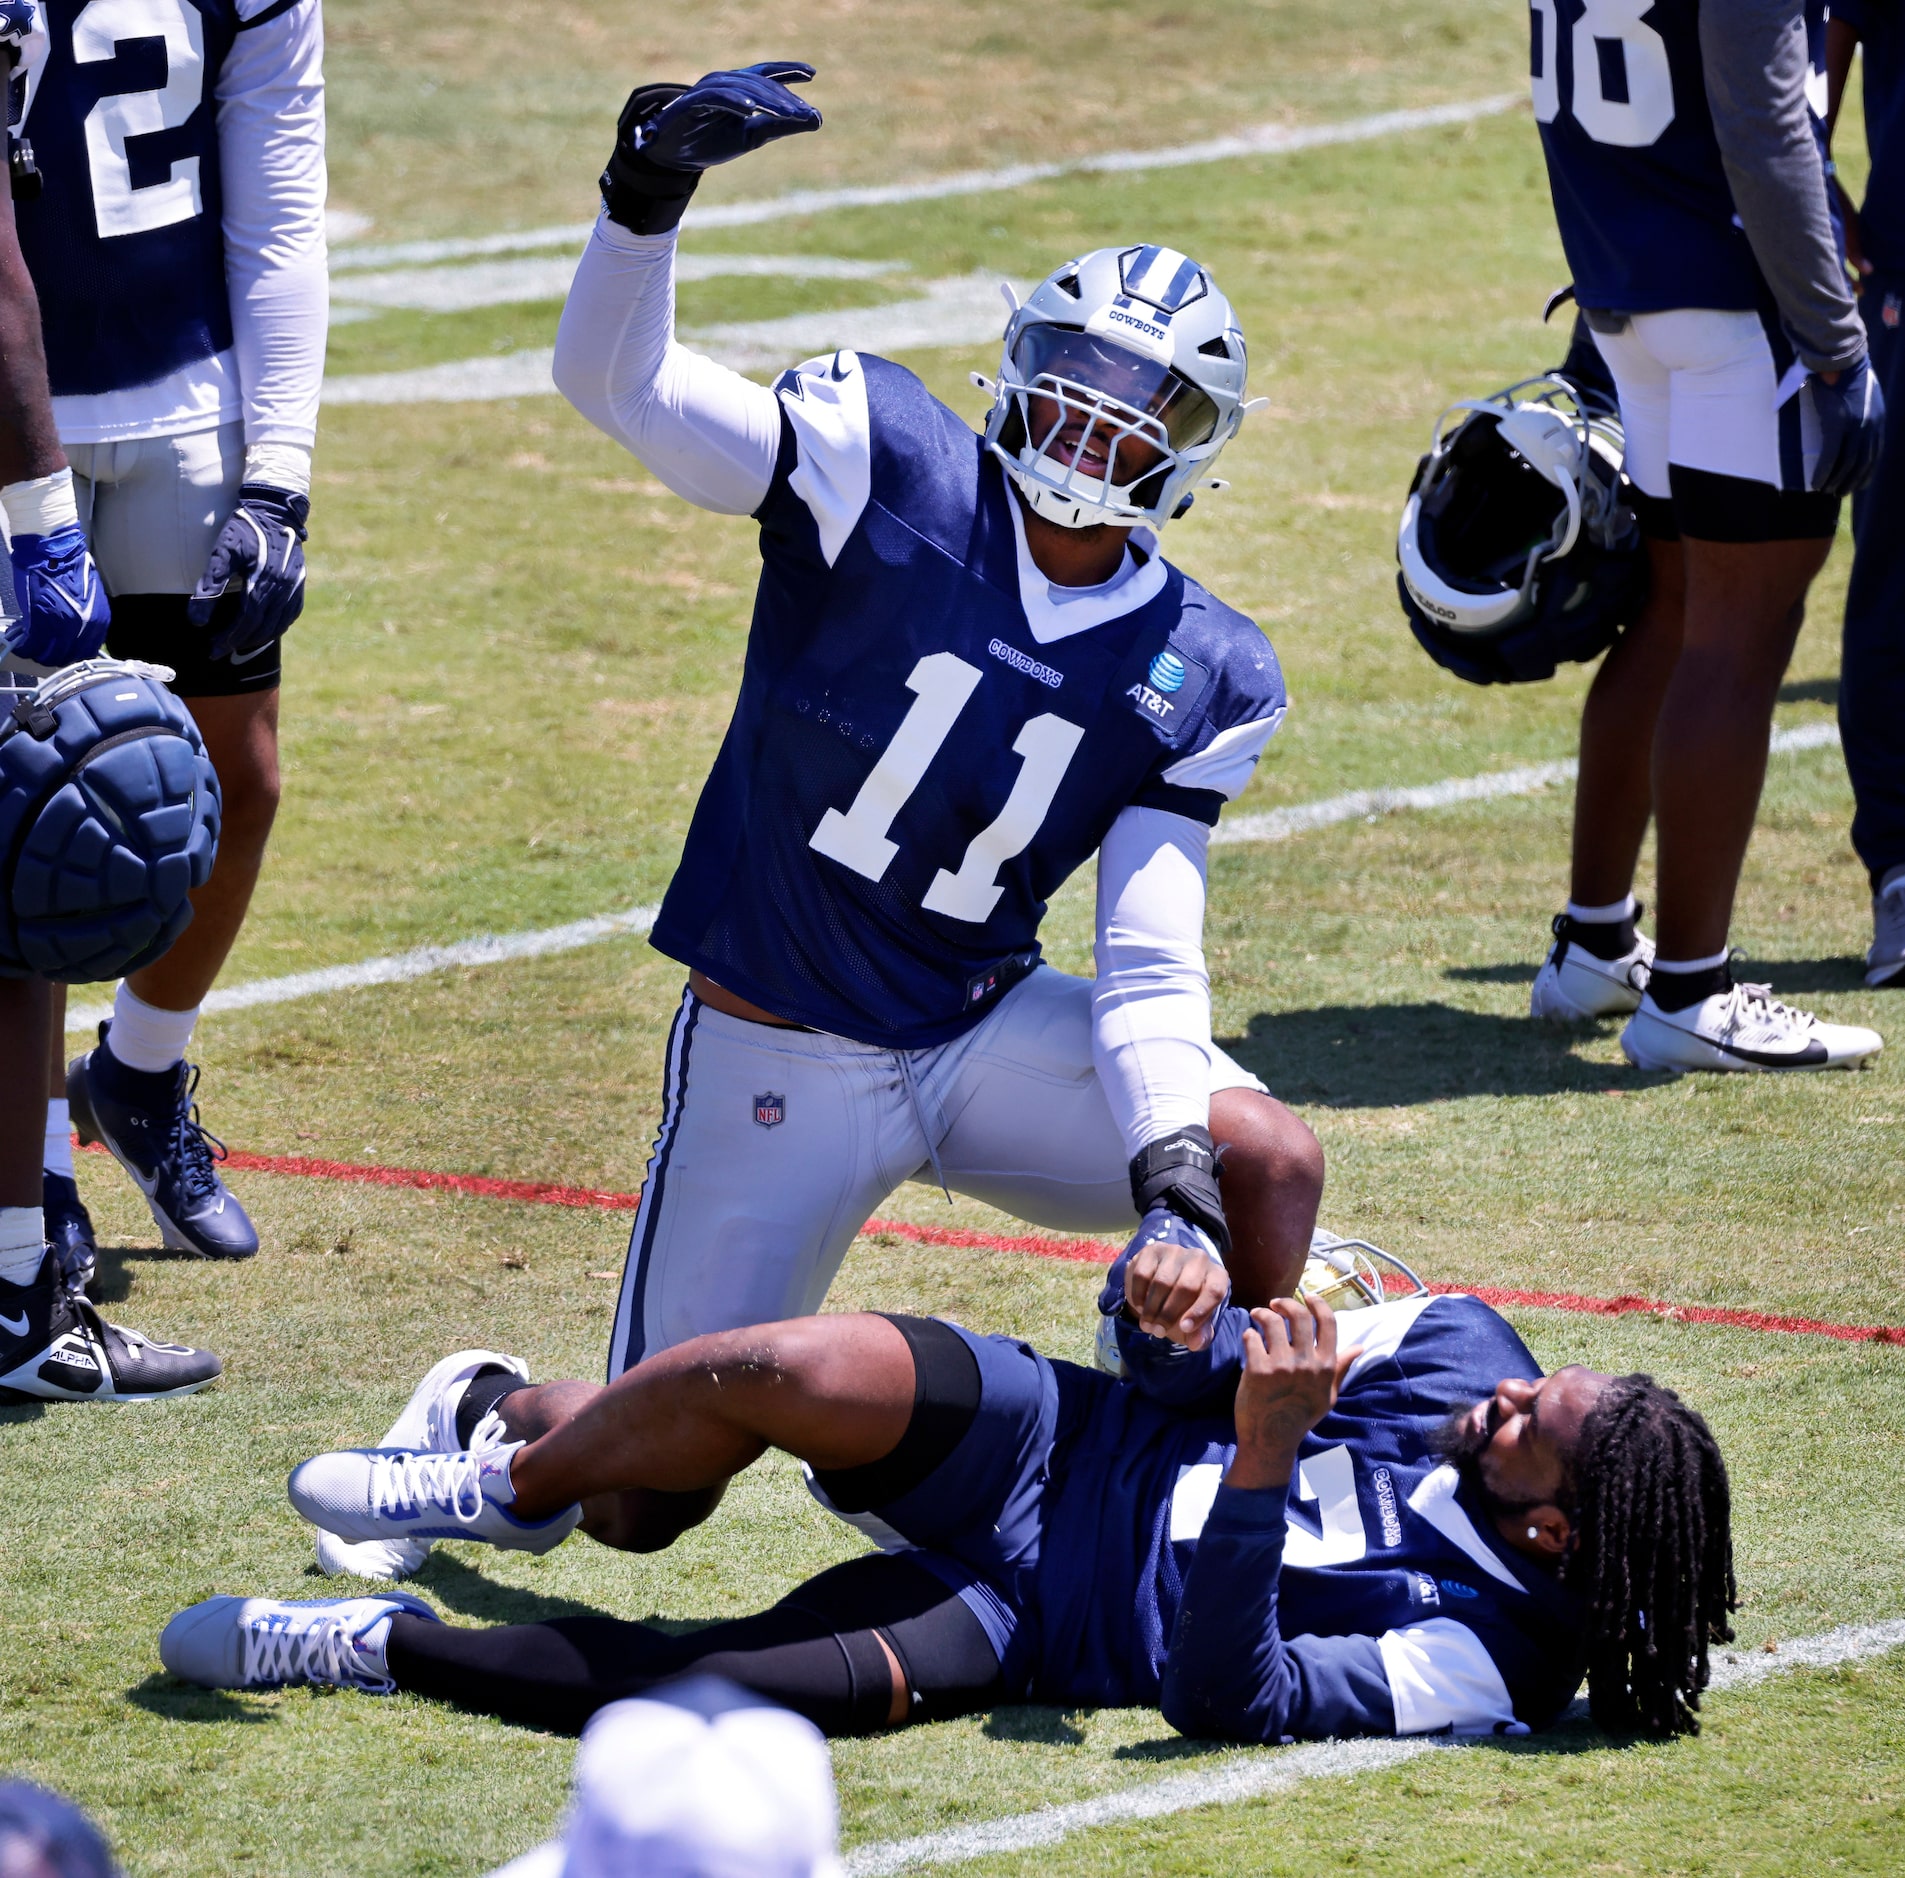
(479, 118)
(519, 657)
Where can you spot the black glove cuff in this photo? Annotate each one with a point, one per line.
(641, 196)
(295, 506)
(1179, 1171)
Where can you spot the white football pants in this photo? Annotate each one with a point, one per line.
(776, 1146)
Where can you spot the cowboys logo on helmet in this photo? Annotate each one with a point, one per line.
(1518, 548)
(1121, 380)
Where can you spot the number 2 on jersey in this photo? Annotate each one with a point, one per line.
(99, 31)
(941, 683)
(1623, 84)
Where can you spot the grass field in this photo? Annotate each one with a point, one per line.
(518, 658)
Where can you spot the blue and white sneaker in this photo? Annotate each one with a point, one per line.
(267, 1643)
(391, 1493)
(428, 1421)
(151, 1125)
(69, 1230)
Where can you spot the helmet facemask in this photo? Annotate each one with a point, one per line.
(1096, 432)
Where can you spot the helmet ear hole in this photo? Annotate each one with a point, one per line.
(1012, 431)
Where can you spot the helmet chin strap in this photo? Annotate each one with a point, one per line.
(1061, 510)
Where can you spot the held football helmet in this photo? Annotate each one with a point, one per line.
(1348, 1274)
(109, 814)
(1121, 380)
(1518, 550)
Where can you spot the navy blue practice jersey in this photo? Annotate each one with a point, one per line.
(924, 747)
(1640, 193)
(1399, 1605)
(124, 245)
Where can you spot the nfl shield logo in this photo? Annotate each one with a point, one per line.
(770, 1110)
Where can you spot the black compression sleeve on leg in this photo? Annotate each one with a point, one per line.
(816, 1652)
(945, 1399)
(948, 1662)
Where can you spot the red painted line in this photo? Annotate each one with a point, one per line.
(1035, 1245)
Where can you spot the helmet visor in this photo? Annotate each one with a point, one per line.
(1067, 357)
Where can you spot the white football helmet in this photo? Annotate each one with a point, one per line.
(1136, 364)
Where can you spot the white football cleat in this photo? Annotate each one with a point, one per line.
(1574, 986)
(1742, 1028)
(387, 1493)
(1885, 962)
(428, 1422)
(266, 1643)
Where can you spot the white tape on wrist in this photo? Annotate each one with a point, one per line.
(279, 466)
(42, 505)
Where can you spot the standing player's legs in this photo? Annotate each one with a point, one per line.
(1752, 540)
(1872, 673)
(1027, 1129)
(1599, 961)
(152, 510)
(26, 1023)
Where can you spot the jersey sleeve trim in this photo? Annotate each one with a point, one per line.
(1224, 765)
(266, 13)
(825, 402)
(1434, 1501)
(1442, 1678)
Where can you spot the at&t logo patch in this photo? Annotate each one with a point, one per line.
(1167, 672)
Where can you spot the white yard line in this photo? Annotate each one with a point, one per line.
(547, 277)
(400, 967)
(1367, 804)
(1264, 140)
(965, 310)
(1270, 825)
(1254, 1776)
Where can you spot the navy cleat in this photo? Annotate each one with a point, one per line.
(69, 1230)
(150, 1123)
(54, 1347)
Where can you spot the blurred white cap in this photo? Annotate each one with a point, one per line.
(695, 1787)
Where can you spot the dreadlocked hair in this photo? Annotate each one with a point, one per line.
(1654, 1561)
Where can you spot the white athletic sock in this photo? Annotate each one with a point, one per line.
(58, 1158)
(146, 1038)
(1610, 915)
(22, 1244)
(1693, 965)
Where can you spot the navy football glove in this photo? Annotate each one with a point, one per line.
(259, 553)
(63, 608)
(668, 134)
(1851, 418)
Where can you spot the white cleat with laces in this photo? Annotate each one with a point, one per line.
(266, 1643)
(1575, 986)
(386, 1493)
(1742, 1028)
(428, 1421)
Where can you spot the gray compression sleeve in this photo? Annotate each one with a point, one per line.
(1754, 53)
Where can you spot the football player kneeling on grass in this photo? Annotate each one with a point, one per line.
(1273, 1528)
(970, 670)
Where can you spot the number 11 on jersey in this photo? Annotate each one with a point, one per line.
(941, 683)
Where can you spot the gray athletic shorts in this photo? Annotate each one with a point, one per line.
(776, 1146)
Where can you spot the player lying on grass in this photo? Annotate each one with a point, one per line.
(969, 671)
(1268, 1536)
